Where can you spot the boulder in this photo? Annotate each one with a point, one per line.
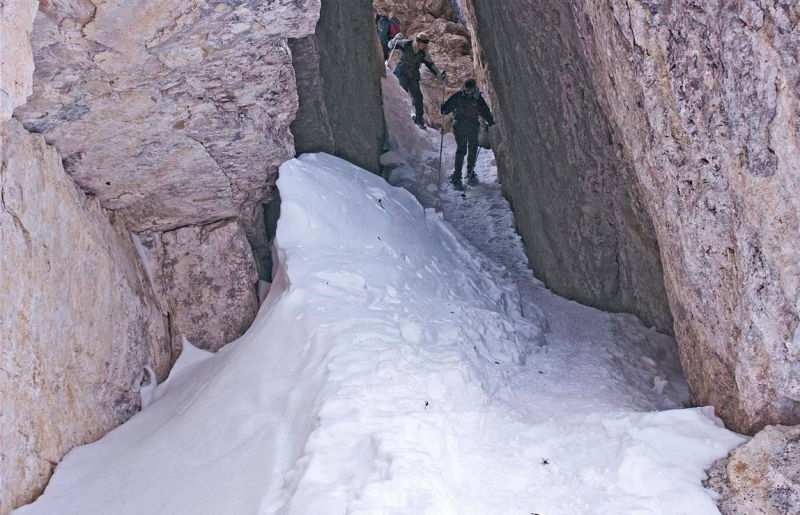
(761, 477)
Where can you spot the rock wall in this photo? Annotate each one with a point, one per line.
(172, 115)
(172, 120)
(662, 136)
(16, 60)
(207, 277)
(78, 319)
(338, 81)
(762, 476)
(573, 190)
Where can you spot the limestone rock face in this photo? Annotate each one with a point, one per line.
(338, 81)
(16, 60)
(172, 113)
(450, 47)
(173, 118)
(207, 277)
(574, 193)
(78, 319)
(662, 136)
(762, 476)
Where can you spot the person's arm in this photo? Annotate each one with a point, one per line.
(484, 111)
(431, 66)
(449, 105)
(398, 43)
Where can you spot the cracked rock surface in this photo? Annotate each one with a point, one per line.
(207, 277)
(762, 476)
(78, 319)
(338, 83)
(171, 113)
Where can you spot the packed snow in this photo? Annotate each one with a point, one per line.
(407, 361)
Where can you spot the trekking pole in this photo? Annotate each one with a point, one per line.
(441, 148)
(391, 54)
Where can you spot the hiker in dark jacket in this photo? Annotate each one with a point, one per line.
(413, 55)
(467, 104)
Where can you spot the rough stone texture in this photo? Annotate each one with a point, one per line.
(575, 197)
(338, 80)
(171, 113)
(450, 47)
(311, 127)
(174, 117)
(691, 109)
(16, 60)
(207, 277)
(761, 477)
(78, 319)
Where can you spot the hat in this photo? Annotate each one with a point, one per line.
(423, 37)
(470, 83)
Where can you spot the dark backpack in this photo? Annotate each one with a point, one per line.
(394, 26)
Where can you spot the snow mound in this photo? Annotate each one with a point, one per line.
(375, 379)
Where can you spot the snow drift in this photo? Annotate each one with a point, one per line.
(376, 379)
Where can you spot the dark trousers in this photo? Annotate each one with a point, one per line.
(412, 88)
(466, 144)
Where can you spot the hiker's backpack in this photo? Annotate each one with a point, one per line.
(394, 26)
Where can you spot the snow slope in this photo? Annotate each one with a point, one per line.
(376, 379)
(401, 366)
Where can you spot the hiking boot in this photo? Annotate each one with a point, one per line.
(472, 177)
(418, 121)
(455, 181)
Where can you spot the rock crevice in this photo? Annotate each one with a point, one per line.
(655, 171)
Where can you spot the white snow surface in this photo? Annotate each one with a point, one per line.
(406, 361)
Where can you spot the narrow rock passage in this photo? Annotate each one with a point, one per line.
(397, 368)
(594, 363)
(612, 348)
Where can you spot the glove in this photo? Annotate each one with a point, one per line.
(399, 36)
(443, 75)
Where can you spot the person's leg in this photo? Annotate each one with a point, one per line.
(471, 136)
(461, 150)
(459, 164)
(416, 95)
(403, 80)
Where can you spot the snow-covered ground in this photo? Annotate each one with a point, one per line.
(407, 362)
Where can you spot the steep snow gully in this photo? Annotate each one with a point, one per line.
(407, 361)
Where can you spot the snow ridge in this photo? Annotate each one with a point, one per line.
(386, 372)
